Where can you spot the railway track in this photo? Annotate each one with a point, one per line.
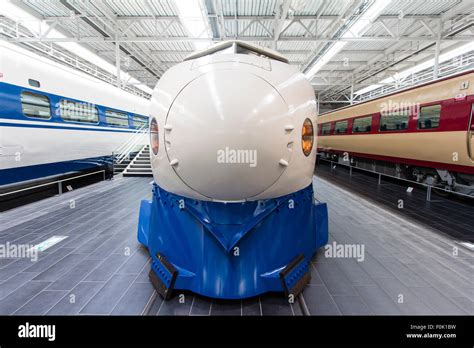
(154, 296)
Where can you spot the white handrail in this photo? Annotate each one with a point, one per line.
(138, 130)
(124, 150)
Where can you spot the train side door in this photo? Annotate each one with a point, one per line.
(470, 134)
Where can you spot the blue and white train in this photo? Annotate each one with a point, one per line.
(232, 213)
(56, 120)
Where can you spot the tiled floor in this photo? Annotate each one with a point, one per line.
(407, 268)
(101, 269)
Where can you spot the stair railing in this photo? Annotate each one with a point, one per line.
(124, 150)
(132, 162)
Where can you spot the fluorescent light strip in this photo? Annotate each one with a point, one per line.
(192, 17)
(48, 243)
(357, 29)
(14, 12)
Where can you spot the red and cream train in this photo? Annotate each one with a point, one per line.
(424, 133)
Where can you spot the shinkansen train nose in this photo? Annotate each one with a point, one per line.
(228, 135)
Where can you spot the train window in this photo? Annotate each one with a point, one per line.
(429, 117)
(35, 105)
(362, 124)
(115, 118)
(394, 121)
(78, 112)
(34, 83)
(340, 127)
(326, 129)
(140, 121)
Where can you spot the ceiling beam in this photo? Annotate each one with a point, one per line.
(244, 38)
(239, 18)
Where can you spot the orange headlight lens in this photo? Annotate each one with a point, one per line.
(154, 140)
(307, 137)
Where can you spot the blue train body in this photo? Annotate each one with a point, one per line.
(12, 119)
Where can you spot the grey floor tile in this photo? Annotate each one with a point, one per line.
(48, 261)
(374, 268)
(135, 262)
(200, 306)
(156, 305)
(315, 277)
(135, 300)
(59, 268)
(354, 272)
(20, 296)
(464, 303)
(352, 305)
(402, 272)
(103, 251)
(335, 280)
(319, 301)
(275, 304)
(13, 283)
(378, 301)
(143, 276)
(107, 268)
(15, 267)
(5, 262)
(179, 304)
(251, 307)
(71, 278)
(438, 302)
(93, 244)
(76, 299)
(405, 299)
(41, 303)
(109, 295)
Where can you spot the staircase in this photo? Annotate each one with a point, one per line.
(140, 165)
(120, 167)
(132, 158)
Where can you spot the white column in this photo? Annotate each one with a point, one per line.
(438, 44)
(117, 59)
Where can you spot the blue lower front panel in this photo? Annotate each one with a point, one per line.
(233, 250)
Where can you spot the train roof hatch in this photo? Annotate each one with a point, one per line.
(237, 46)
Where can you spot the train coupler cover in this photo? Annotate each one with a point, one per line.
(295, 276)
(163, 276)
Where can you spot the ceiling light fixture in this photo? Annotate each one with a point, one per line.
(17, 14)
(356, 30)
(193, 18)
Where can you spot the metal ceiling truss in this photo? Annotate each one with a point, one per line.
(138, 44)
(395, 55)
(121, 30)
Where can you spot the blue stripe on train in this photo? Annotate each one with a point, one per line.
(16, 175)
(29, 125)
(11, 108)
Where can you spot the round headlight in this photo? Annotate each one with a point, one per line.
(154, 136)
(307, 137)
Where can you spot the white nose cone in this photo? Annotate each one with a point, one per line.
(227, 135)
